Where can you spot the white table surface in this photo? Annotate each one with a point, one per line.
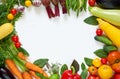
(60, 39)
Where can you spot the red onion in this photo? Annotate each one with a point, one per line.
(20, 8)
(36, 3)
(55, 2)
(46, 3)
(63, 4)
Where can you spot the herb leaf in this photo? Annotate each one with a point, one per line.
(91, 20)
(41, 62)
(88, 61)
(63, 68)
(100, 53)
(83, 66)
(84, 74)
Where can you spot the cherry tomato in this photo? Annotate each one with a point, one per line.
(113, 57)
(92, 70)
(104, 60)
(13, 11)
(28, 3)
(93, 77)
(10, 16)
(15, 38)
(17, 44)
(117, 76)
(99, 32)
(91, 2)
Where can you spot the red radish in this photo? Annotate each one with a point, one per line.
(55, 2)
(46, 3)
(63, 4)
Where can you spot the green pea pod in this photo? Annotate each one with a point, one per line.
(68, 5)
(73, 4)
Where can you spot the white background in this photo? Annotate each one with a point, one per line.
(60, 39)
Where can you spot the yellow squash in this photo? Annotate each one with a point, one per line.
(5, 30)
(111, 31)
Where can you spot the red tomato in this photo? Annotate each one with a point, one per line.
(17, 44)
(91, 2)
(99, 32)
(113, 57)
(116, 67)
(15, 38)
(104, 60)
(117, 76)
(93, 77)
(13, 11)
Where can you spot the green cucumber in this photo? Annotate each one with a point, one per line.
(103, 39)
(110, 48)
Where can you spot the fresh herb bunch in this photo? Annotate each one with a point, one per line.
(5, 7)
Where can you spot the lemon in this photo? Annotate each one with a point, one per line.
(28, 3)
(105, 72)
(96, 62)
(10, 16)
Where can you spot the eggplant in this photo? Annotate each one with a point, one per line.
(109, 4)
(6, 74)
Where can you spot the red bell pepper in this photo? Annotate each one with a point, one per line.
(68, 74)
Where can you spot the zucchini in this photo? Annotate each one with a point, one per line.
(103, 39)
(110, 48)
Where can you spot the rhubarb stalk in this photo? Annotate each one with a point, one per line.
(55, 3)
(63, 4)
(46, 3)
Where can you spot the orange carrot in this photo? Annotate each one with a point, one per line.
(13, 68)
(45, 74)
(34, 67)
(34, 75)
(22, 56)
(26, 75)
